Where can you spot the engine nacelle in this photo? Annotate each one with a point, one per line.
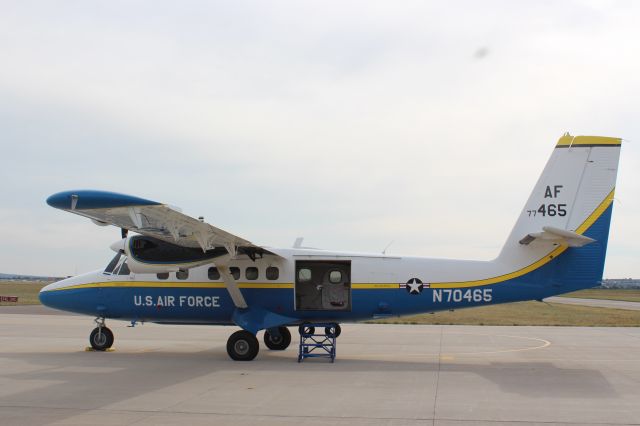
(148, 255)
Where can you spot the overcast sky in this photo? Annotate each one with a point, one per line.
(352, 124)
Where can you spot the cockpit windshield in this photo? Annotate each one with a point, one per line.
(114, 262)
(118, 265)
(124, 269)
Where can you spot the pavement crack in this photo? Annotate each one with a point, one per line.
(435, 397)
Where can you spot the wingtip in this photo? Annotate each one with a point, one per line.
(92, 199)
(60, 200)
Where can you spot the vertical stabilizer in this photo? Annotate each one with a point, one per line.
(570, 207)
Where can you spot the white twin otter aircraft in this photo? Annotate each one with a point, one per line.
(181, 270)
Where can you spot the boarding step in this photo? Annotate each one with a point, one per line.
(318, 340)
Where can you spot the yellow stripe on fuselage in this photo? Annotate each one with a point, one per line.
(171, 284)
(505, 277)
(373, 286)
(187, 284)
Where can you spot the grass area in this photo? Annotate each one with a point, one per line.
(627, 295)
(26, 291)
(527, 313)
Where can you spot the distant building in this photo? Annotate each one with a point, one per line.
(621, 283)
(18, 277)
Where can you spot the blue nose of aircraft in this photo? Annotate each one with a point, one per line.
(67, 295)
(50, 297)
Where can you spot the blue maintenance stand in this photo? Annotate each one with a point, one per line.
(318, 344)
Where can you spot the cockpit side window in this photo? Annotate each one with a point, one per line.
(111, 266)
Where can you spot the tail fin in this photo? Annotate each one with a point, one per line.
(568, 213)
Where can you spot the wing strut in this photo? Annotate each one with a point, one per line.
(232, 287)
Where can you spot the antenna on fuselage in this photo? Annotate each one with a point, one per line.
(124, 232)
(385, 249)
(298, 242)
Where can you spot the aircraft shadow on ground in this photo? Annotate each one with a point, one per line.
(104, 379)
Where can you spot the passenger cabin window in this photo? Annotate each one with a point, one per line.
(182, 274)
(304, 275)
(273, 273)
(213, 273)
(335, 277)
(162, 275)
(235, 272)
(112, 265)
(251, 273)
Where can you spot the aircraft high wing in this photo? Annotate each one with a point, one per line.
(152, 219)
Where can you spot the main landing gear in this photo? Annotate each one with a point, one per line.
(277, 340)
(101, 338)
(243, 345)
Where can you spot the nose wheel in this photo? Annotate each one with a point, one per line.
(101, 338)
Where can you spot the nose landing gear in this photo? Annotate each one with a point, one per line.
(101, 338)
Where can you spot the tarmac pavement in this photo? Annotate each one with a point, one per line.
(384, 375)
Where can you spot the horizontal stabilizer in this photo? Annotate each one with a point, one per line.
(559, 236)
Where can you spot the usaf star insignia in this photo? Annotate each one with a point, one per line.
(414, 286)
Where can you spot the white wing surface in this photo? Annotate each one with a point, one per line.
(150, 218)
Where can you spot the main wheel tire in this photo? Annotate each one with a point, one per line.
(333, 331)
(101, 338)
(242, 346)
(305, 329)
(278, 342)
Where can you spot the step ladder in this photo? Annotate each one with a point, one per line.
(317, 340)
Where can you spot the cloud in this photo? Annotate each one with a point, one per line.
(351, 123)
